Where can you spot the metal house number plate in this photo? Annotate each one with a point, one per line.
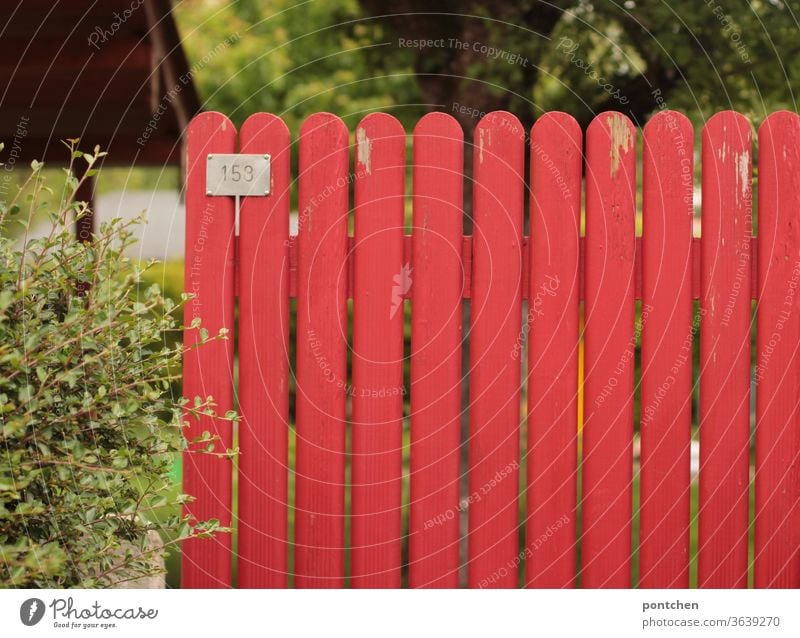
(238, 174)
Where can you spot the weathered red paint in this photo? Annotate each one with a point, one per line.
(496, 269)
(321, 353)
(208, 369)
(436, 334)
(495, 315)
(609, 355)
(381, 279)
(777, 506)
(667, 337)
(725, 352)
(553, 322)
(264, 364)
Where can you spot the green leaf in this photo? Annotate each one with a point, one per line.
(90, 423)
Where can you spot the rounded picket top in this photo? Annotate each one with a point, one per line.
(207, 134)
(556, 122)
(377, 127)
(615, 124)
(438, 124)
(213, 120)
(267, 134)
(556, 156)
(206, 130)
(727, 141)
(720, 122)
(665, 134)
(778, 138)
(555, 125)
(498, 118)
(323, 123)
(497, 129)
(782, 122)
(669, 119)
(503, 121)
(726, 115)
(259, 125)
(731, 126)
(380, 120)
(614, 130)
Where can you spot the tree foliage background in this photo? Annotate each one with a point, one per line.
(350, 56)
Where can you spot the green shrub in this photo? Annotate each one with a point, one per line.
(89, 428)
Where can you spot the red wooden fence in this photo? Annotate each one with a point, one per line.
(346, 521)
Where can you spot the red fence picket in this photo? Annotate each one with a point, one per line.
(725, 352)
(321, 353)
(495, 309)
(667, 336)
(553, 324)
(264, 364)
(381, 280)
(433, 536)
(301, 538)
(777, 510)
(208, 369)
(610, 345)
